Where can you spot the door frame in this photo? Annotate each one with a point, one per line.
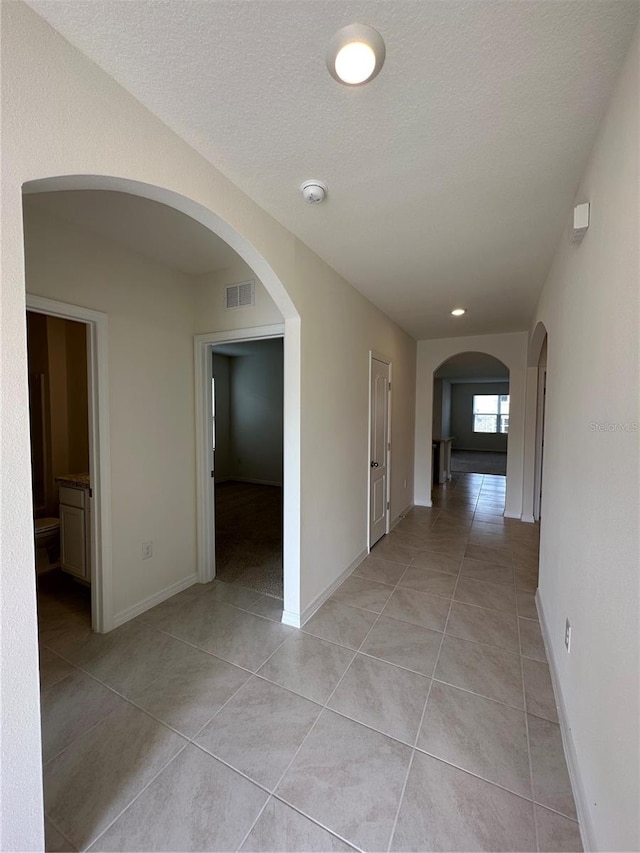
(206, 532)
(385, 360)
(99, 450)
(539, 440)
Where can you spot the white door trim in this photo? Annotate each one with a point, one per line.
(205, 494)
(99, 451)
(385, 360)
(539, 440)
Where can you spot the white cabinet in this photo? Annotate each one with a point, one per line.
(75, 532)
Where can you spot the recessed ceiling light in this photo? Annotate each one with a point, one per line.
(356, 54)
(458, 312)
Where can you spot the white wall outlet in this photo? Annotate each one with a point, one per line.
(147, 550)
(567, 635)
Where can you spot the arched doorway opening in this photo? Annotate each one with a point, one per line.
(470, 423)
(112, 605)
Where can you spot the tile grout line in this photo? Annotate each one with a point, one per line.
(131, 802)
(526, 723)
(255, 674)
(473, 775)
(402, 792)
(424, 710)
(57, 828)
(325, 707)
(258, 816)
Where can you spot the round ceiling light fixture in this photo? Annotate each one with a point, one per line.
(458, 312)
(356, 54)
(314, 192)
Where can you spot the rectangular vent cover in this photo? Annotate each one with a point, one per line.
(241, 295)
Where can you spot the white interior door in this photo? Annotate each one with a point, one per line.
(379, 447)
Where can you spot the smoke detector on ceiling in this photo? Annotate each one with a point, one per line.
(314, 192)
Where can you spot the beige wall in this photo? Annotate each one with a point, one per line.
(150, 311)
(39, 414)
(77, 402)
(210, 314)
(589, 531)
(58, 353)
(55, 117)
(343, 328)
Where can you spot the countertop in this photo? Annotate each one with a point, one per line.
(74, 481)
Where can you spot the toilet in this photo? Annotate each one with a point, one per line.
(47, 534)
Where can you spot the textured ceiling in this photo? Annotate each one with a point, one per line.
(148, 227)
(451, 175)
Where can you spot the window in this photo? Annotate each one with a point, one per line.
(491, 413)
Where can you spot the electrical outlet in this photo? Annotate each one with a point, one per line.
(405, 484)
(147, 550)
(567, 635)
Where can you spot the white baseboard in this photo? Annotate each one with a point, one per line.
(528, 519)
(291, 619)
(297, 621)
(423, 503)
(579, 794)
(515, 515)
(400, 517)
(157, 598)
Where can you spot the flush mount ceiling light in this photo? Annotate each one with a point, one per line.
(458, 312)
(356, 54)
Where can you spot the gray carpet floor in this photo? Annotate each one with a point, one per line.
(249, 536)
(478, 462)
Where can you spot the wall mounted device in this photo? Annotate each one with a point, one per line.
(580, 222)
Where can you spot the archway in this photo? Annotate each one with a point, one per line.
(470, 415)
(254, 259)
(511, 350)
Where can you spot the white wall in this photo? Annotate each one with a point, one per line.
(150, 311)
(223, 417)
(54, 118)
(511, 349)
(446, 409)
(436, 422)
(249, 413)
(462, 394)
(256, 401)
(589, 531)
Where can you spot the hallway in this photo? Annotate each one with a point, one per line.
(414, 711)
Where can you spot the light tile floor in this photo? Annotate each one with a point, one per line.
(414, 711)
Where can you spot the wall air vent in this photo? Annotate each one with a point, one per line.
(241, 295)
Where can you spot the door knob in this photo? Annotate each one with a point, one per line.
(375, 464)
